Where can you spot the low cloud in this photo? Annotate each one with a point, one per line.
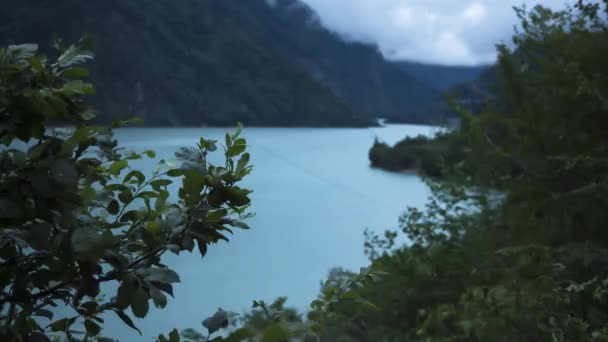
(455, 32)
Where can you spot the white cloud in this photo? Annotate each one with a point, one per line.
(433, 31)
(475, 13)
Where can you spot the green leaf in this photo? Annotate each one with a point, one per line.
(175, 173)
(207, 234)
(125, 196)
(93, 328)
(78, 87)
(187, 243)
(173, 248)
(131, 216)
(228, 141)
(64, 173)
(193, 335)
(242, 164)
(113, 207)
(166, 288)
(88, 114)
(37, 63)
(239, 146)
(139, 303)
(276, 333)
(154, 228)
(90, 307)
(40, 236)
(202, 247)
(150, 154)
(37, 336)
(21, 52)
(44, 313)
(36, 151)
(216, 322)
(147, 194)
(161, 201)
(190, 154)
(162, 275)
(208, 145)
(8, 209)
(366, 304)
(128, 122)
(125, 293)
(75, 54)
(63, 324)
(87, 243)
(117, 187)
(118, 166)
(160, 183)
(240, 224)
(174, 336)
(238, 131)
(76, 72)
(235, 196)
(239, 335)
(216, 216)
(349, 295)
(135, 174)
(19, 158)
(159, 298)
(127, 320)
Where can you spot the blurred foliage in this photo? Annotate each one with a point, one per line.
(74, 214)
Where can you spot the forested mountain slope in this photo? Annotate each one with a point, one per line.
(191, 62)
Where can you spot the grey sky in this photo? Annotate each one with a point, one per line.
(456, 32)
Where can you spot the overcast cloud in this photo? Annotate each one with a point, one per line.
(454, 32)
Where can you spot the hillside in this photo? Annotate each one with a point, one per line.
(212, 62)
(192, 64)
(356, 72)
(441, 77)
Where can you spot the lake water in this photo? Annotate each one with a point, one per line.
(314, 195)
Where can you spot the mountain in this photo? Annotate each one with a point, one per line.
(216, 62)
(356, 72)
(191, 62)
(443, 78)
(477, 91)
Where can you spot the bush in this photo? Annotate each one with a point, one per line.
(513, 247)
(74, 214)
(429, 156)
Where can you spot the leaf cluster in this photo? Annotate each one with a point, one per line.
(75, 213)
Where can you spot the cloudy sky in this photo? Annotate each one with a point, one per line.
(454, 32)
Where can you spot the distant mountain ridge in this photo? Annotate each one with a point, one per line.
(443, 78)
(356, 72)
(216, 62)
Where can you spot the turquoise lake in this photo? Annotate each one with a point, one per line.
(314, 195)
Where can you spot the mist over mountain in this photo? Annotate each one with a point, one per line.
(216, 62)
(441, 77)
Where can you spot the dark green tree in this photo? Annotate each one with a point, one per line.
(512, 246)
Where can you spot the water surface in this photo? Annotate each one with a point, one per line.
(314, 195)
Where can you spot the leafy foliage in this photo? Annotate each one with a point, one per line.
(512, 248)
(74, 214)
